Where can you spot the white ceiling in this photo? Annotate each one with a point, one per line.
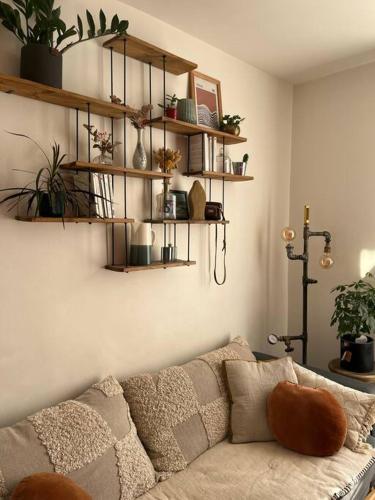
(297, 40)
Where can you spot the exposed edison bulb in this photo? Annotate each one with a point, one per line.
(288, 234)
(326, 261)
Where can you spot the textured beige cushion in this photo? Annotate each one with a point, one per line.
(92, 440)
(359, 407)
(183, 410)
(250, 383)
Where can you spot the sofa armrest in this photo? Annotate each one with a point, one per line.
(340, 379)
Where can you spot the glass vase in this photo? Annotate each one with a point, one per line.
(103, 159)
(139, 157)
(166, 204)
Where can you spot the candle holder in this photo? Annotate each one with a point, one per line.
(288, 234)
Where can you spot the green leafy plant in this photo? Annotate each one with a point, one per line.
(245, 158)
(39, 22)
(231, 121)
(171, 100)
(355, 307)
(49, 182)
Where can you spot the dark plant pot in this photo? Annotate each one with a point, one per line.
(231, 129)
(171, 113)
(52, 205)
(40, 65)
(362, 355)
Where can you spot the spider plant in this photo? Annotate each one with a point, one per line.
(50, 193)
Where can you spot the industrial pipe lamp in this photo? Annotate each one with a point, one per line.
(288, 234)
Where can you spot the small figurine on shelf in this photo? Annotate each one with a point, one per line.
(168, 160)
(139, 121)
(103, 142)
(170, 109)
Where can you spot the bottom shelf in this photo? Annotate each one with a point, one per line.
(154, 265)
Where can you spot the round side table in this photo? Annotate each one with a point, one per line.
(334, 366)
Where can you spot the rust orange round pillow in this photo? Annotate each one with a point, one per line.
(306, 420)
(48, 486)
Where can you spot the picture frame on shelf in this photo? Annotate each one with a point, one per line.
(182, 205)
(206, 92)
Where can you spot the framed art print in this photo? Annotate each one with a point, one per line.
(206, 92)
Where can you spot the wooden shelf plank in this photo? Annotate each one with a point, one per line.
(154, 265)
(26, 88)
(113, 170)
(77, 220)
(148, 53)
(184, 128)
(190, 221)
(219, 176)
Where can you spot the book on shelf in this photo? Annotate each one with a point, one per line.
(100, 202)
(202, 153)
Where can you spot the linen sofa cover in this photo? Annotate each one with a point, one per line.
(182, 411)
(259, 471)
(91, 439)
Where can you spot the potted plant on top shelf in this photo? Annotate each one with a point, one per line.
(231, 124)
(45, 36)
(355, 316)
(170, 109)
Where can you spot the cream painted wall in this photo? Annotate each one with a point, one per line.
(333, 169)
(65, 321)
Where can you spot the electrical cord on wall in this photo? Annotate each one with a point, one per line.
(224, 251)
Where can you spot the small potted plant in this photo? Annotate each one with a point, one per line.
(103, 142)
(50, 194)
(239, 167)
(355, 316)
(170, 110)
(139, 120)
(44, 35)
(231, 124)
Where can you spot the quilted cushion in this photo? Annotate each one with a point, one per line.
(92, 440)
(182, 411)
(47, 486)
(306, 420)
(359, 407)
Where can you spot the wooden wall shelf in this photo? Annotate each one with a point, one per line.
(190, 221)
(148, 53)
(26, 88)
(77, 220)
(154, 265)
(184, 128)
(113, 170)
(219, 176)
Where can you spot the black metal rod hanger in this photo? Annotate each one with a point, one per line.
(125, 158)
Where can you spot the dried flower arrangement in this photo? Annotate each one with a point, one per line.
(167, 159)
(102, 140)
(140, 118)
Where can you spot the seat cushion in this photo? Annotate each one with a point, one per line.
(250, 383)
(307, 420)
(259, 471)
(47, 486)
(91, 439)
(183, 410)
(359, 407)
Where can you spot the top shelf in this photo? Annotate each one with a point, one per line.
(184, 128)
(26, 88)
(148, 53)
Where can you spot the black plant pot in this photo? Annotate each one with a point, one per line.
(362, 355)
(40, 65)
(52, 205)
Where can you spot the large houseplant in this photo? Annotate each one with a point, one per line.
(354, 315)
(45, 36)
(50, 194)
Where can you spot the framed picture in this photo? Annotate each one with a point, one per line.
(182, 207)
(206, 92)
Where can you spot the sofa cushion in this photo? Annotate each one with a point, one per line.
(250, 383)
(260, 471)
(307, 420)
(359, 407)
(47, 486)
(91, 439)
(183, 410)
